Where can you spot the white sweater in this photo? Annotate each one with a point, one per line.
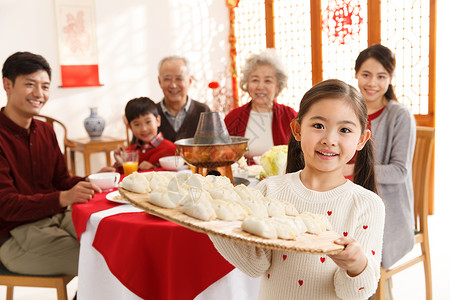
(352, 211)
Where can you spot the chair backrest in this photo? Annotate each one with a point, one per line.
(64, 142)
(421, 167)
(128, 130)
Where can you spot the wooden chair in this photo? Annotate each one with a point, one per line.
(10, 279)
(67, 144)
(420, 172)
(128, 130)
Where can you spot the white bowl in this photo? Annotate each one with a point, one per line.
(172, 163)
(106, 181)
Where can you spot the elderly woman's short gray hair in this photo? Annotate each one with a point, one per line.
(267, 57)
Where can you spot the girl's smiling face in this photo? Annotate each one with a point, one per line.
(330, 133)
(145, 127)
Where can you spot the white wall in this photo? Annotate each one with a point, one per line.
(132, 37)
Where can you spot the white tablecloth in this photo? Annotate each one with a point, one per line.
(95, 281)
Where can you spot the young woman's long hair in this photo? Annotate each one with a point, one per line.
(364, 173)
(385, 57)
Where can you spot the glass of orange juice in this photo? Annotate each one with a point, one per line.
(130, 161)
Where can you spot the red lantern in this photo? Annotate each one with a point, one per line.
(213, 85)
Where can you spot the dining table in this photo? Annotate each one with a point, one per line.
(126, 253)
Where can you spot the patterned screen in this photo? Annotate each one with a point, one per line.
(250, 31)
(405, 30)
(293, 42)
(344, 35)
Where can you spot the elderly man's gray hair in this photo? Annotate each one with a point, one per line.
(175, 57)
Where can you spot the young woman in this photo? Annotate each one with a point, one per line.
(394, 134)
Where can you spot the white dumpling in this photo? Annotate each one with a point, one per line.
(136, 182)
(313, 225)
(290, 209)
(298, 221)
(201, 210)
(156, 180)
(325, 221)
(228, 210)
(218, 181)
(259, 227)
(195, 180)
(285, 227)
(242, 191)
(161, 199)
(274, 207)
(175, 186)
(197, 204)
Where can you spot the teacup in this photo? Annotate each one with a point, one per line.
(106, 181)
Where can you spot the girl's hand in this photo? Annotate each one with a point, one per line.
(118, 154)
(352, 258)
(145, 165)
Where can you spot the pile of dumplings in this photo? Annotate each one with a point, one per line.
(215, 197)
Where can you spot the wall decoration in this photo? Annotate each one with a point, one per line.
(77, 41)
(342, 19)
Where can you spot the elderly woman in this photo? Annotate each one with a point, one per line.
(264, 121)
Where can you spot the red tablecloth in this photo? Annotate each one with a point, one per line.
(152, 257)
(157, 259)
(82, 212)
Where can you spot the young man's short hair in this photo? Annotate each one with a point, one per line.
(23, 63)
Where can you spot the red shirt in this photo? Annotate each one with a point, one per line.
(237, 120)
(32, 174)
(152, 151)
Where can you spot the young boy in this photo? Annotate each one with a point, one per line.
(143, 119)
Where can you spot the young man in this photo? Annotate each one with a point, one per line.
(179, 113)
(36, 230)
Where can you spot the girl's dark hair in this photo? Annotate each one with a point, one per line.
(385, 57)
(364, 174)
(139, 107)
(24, 63)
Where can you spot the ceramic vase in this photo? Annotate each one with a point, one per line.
(94, 124)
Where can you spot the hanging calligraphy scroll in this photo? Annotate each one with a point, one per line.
(77, 41)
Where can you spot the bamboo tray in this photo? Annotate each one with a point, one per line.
(309, 243)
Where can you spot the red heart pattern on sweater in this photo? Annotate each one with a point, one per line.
(268, 275)
(365, 226)
(329, 212)
(300, 282)
(345, 233)
(373, 252)
(361, 288)
(284, 256)
(322, 259)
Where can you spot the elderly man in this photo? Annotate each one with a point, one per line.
(37, 235)
(179, 113)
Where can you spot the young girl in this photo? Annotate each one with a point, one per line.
(329, 128)
(143, 118)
